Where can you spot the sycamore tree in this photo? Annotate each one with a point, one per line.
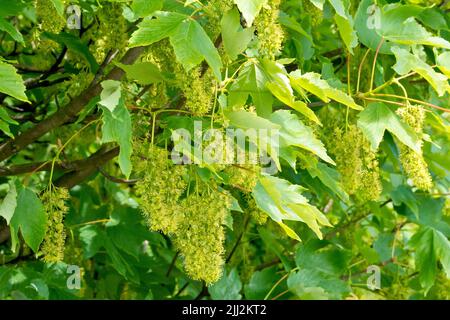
(224, 149)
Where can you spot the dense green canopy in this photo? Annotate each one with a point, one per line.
(318, 164)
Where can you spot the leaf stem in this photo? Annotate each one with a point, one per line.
(411, 100)
(360, 69)
(64, 146)
(375, 63)
(279, 282)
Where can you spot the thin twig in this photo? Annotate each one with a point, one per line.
(115, 179)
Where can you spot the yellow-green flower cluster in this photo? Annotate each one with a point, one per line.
(357, 163)
(270, 32)
(370, 184)
(197, 85)
(244, 177)
(192, 214)
(49, 21)
(160, 189)
(447, 206)
(198, 90)
(111, 32)
(78, 83)
(162, 55)
(312, 11)
(413, 163)
(49, 18)
(348, 158)
(200, 234)
(214, 10)
(252, 209)
(54, 204)
(442, 287)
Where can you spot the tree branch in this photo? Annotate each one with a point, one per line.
(91, 166)
(115, 179)
(66, 167)
(12, 146)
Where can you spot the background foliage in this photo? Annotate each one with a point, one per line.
(358, 89)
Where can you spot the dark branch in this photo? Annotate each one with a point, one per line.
(91, 166)
(66, 167)
(12, 146)
(115, 179)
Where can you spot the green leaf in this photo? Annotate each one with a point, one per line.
(261, 283)
(282, 200)
(235, 38)
(377, 118)
(442, 245)
(252, 81)
(433, 18)
(228, 287)
(144, 8)
(347, 32)
(407, 62)
(398, 25)
(318, 4)
(184, 50)
(59, 6)
(284, 94)
(111, 94)
(92, 239)
(279, 85)
(275, 245)
(344, 22)
(192, 45)
(310, 284)
(74, 44)
(321, 267)
(153, 30)
(144, 73)
(367, 19)
(403, 194)
(268, 142)
(11, 30)
(312, 82)
(250, 9)
(29, 218)
(431, 246)
(395, 23)
(5, 121)
(9, 204)
(443, 63)
(117, 128)
(295, 133)
(429, 213)
(248, 120)
(126, 231)
(10, 8)
(120, 262)
(325, 258)
(292, 24)
(330, 178)
(11, 83)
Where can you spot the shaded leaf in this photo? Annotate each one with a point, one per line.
(250, 9)
(29, 218)
(11, 83)
(377, 118)
(117, 128)
(235, 38)
(227, 288)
